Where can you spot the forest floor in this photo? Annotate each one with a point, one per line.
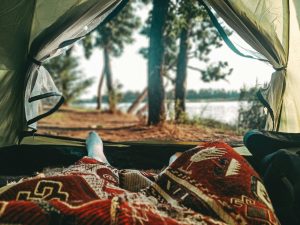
(124, 127)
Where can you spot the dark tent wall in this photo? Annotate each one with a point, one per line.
(15, 26)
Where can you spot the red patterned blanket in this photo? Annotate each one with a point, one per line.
(210, 184)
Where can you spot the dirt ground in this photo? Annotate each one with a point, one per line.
(124, 127)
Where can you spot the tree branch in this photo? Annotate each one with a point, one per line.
(194, 68)
(169, 78)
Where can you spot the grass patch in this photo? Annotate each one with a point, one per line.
(207, 122)
(78, 108)
(58, 116)
(213, 124)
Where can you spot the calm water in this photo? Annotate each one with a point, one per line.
(226, 111)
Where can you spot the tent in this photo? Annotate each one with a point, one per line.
(32, 32)
(272, 28)
(36, 30)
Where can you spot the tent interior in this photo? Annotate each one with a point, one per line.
(34, 31)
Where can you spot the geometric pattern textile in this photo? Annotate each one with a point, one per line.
(210, 184)
(215, 181)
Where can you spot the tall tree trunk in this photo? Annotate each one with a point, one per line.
(156, 94)
(181, 74)
(137, 101)
(109, 81)
(99, 92)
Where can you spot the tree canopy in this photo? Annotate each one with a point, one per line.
(112, 38)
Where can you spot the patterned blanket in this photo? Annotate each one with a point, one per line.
(210, 184)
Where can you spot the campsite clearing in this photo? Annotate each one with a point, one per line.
(124, 127)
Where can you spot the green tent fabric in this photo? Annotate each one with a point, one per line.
(272, 28)
(33, 31)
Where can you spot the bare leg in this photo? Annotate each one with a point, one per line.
(94, 147)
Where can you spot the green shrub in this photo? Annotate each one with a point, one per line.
(251, 114)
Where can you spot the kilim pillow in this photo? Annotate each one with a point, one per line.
(214, 180)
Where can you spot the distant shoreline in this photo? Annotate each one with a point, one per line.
(83, 101)
(213, 100)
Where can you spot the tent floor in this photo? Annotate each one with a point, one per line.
(39, 152)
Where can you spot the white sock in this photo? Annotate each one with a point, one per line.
(174, 157)
(94, 147)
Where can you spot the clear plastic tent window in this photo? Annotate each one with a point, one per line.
(41, 96)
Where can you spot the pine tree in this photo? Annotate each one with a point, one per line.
(188, 33)
(197, 36)
(112, 38)
(156, 93)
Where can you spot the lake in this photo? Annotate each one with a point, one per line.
(223, 111)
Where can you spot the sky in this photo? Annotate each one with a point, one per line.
(130, 69)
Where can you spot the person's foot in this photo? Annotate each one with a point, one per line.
(174, 157)
(94, 147)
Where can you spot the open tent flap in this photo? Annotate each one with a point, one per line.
(290, 115)
(41, 96)
(33, 31)
(271, 28)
